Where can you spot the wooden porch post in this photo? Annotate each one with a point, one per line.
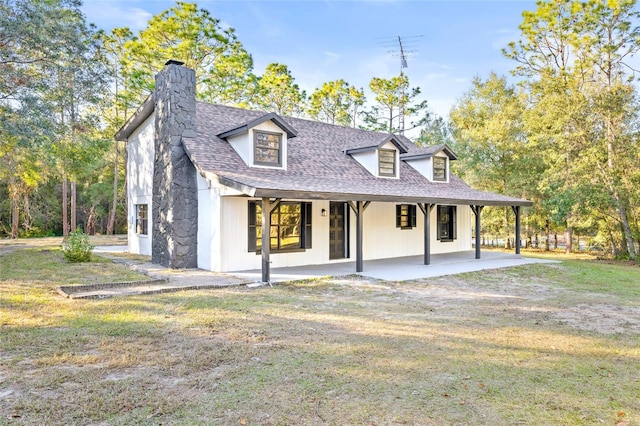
(358, 208)
(267, 208)
(477, 210)
(426, 210)
(516, 211)
(266, 239)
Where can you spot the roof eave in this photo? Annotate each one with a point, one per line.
(275, 118)
(143, 112)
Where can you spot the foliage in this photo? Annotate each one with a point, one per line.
(191, 35)
(277, 92)
(336, 102)
(76, 247)
(395, 103)
(566, 137)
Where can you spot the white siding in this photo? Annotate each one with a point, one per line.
(381, 237)
(369, 160)
(235, 234)
(209, 239)
(425, 166)
(140, 158)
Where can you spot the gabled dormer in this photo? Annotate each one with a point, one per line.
(380, 157)
(432, 162)
(261, 142)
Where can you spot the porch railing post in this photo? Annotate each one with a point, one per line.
(516, 211)
(426, 210)
(358, 209)
(477, 210)
(266, 240)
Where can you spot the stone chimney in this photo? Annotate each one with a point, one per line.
(175, 192)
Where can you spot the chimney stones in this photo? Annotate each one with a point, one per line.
(175, 194)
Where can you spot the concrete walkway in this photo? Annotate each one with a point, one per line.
(400, 269)
(164, 280)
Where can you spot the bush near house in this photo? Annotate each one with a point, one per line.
(77, 248)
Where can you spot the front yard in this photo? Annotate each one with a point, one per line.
(535, 345)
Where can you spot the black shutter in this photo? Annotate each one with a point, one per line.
(455, 221)
(252, 226)
(398, 215)
(306, 210)
(412, 215)
(438, 221)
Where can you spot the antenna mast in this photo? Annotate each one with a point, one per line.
(393, 44)
(403, 88)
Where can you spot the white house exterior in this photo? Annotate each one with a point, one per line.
(336, 194)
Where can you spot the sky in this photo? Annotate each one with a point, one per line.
(447, 43)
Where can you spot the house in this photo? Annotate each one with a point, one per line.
(201, 176)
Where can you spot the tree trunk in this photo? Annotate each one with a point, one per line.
(65, 211)
(548, 231)
(569, 238)
(91, 221)
(555, 240)
(114, 206)
(627, 235)
(74, 224)
(15, 217)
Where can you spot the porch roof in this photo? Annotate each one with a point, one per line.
(318, 167)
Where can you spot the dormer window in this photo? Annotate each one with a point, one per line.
(267, 148)
(440, 169)
(387, 162)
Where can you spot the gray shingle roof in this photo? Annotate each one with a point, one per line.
(318, 167)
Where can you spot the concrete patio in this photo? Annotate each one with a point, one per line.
(399, 269)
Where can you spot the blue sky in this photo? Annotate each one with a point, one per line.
(451, 42)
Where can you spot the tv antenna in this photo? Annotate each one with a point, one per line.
(402, 47)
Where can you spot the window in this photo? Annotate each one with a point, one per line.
(290, 226)
(447, 223)
(440, 169)
(267, 148)
(386, 162)
(142, 219)
(405, 216)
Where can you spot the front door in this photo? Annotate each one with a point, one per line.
(337, 231)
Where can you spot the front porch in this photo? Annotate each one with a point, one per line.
(399, 268)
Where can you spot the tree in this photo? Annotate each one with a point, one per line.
(435, 130)
(336, 102)
(39, 42)
(395, 102)
(119, 105)
(193, 36)
(490, 140)
(575, 57)
(277, 92)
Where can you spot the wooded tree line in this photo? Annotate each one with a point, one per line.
(564, 136)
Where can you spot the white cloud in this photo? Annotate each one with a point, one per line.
(109, 15)
(435, 76)
(331, 56)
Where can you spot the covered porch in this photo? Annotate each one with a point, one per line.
(476, 200)
(400, 268)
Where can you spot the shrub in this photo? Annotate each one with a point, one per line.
(77, 248)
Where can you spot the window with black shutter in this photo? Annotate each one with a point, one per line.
(405, 216)
(290, 227)
(446, 223)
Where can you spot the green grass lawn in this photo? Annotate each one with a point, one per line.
(533, 345)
